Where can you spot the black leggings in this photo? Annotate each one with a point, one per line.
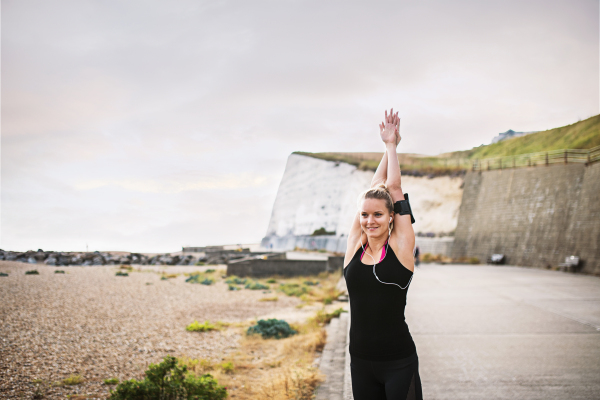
(386, 380)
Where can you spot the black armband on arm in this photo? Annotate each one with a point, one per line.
(402, 207)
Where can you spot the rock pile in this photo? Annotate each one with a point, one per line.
(54, 258)
(96, 258)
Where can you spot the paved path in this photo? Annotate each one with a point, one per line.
(487, 332)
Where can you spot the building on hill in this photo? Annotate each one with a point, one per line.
(509, 134)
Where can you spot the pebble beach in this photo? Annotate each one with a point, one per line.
(91, 323)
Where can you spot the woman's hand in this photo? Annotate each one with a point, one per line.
(390, 128)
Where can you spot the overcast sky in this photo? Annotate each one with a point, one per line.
(148, 125)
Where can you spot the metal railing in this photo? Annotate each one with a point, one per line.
(566, 156)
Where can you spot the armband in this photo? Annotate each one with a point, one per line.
(402, 207)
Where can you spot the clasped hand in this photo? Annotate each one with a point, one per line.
(390, 128)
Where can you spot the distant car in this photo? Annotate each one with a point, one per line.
(497, 259)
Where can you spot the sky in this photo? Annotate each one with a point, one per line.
(150, 125)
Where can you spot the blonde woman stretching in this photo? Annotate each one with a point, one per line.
(379, 267)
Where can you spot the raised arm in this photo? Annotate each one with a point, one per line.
(381, 172)
(403, 235)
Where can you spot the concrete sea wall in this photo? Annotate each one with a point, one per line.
(535, 216)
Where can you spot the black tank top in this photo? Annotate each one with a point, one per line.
(378, 331)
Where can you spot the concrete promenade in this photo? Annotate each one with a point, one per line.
(499, 332)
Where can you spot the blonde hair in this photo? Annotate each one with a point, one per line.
(379, 192)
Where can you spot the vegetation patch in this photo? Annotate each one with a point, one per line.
(274, 298)
(59, 271)
(121, 273)
(233, 287)
(70, 381)
(168, 380)
(199, 278)
(256, 286)
(271, 280)
(198, 327)
(32, 272)
(111, 381)
(271, 328)
(293, 289)
(3, 274)
(322, 318)
(236, 281)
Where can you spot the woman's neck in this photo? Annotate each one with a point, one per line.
(377, 243)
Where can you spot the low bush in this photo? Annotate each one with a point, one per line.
(111, 381)
(227, 367)
(236, 281)
(271, 328)
(233, 287)
(169, 381)
(256, 286)
(121, 273)
(210, 270)
(32, 272)
(3, 274)
(59, 271)
(71, 380)
(293, 289)
(198, 327)
(271, 280)
(311, 283)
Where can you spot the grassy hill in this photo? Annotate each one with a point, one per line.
(580, 135)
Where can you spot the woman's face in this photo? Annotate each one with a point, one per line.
(374, 217)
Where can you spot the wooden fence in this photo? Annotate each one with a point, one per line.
(567, 156)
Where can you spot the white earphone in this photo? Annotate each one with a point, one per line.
(375, 264)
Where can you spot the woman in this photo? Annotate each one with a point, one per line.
(379, 267)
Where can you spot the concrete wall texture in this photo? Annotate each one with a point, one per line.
(257, 268)
(535, 216)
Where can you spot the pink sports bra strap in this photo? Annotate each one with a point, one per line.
(382, 251)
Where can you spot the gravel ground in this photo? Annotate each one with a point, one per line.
(95, 324)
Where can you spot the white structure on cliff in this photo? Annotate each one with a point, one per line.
(315, 194)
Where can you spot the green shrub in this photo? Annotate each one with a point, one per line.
(271, 280)
(207, 282)
(168, 381)
(311, 283)
(71, 380)
(111, 381)
(227, 367)
(121, 273)
(293, 289)
(235, 280)
(3, 274)
(233, 287)
(198, 327)
(208, 271)
(59, 271)
(32, 272)
(271, 328)
(256, 286)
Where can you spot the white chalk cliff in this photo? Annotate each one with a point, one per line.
(316, 193)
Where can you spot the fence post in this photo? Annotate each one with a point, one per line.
(546, 158)
(513, 162)
(500, 163)
(589, 159)
(488, 163)
(566, 162)
(529, 161)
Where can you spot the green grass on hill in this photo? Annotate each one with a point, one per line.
(580, 135)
